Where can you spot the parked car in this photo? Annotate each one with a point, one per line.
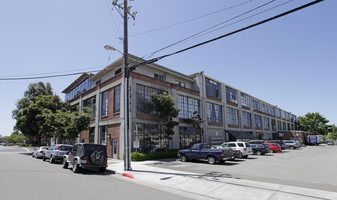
(86, 156)
(274, 147)
(38, 152)
(280, 142)
(235, 152)
(55, 153)
(202, 151)
(330, 143)
(259, 149)
(244, 148)
(292, 144)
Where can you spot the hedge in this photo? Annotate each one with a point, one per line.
(136, 156)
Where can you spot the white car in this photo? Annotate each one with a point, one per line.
(244, 148)
(292, 144)
(38, 152)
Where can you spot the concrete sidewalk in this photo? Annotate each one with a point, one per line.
(200, 186)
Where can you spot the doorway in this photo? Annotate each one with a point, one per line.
(114, 148)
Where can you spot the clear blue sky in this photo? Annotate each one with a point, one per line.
(289, 62)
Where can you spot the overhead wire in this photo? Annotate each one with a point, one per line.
(209, 28)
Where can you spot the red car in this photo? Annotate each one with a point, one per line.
(274, 147)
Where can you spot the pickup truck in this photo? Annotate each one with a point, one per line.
(201, 151)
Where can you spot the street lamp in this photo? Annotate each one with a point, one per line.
(127, 149)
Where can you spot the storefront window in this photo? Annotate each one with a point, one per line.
(189, 136)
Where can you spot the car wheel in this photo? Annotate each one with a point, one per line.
(76, 167)
(258, 153)
(65, 163)
(33, 156)
(246, 156)
(102, 169)
(51, 159)
(273, 151)
(211, 160)
(292, 148)
(183, 158)
(44, 157)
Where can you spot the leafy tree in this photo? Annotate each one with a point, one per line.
(34, 90)
(31, 121)
(313, 122)
(196, 121)
(164, 106)
(15, 137)
(333, 134)
(66, 123)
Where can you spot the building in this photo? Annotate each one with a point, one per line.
(228, 113)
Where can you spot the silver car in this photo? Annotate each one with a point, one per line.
(56, 152)
(38, 152)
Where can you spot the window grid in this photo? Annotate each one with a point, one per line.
(256, 105)
(214, 113)
(266, 122)
(187, 106)
(117, 99)
(246, 119)
(245, 100)
(144, 102)
(231, 95)
(257, 119)
(105, 103)
(233, 116)
(213, 88)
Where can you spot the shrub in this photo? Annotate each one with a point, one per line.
(136, 156)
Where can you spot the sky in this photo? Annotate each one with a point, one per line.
(290, 62)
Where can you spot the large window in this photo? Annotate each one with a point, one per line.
(266, 123)
(263, 106)
(214, 113)
(271, 111)
(273, 124)
(187, 106)
(79, 89)
(287, 116)
(278, 112)
(233, 116)
(103, 131)
(279, 125)
(105, 103)
(256, 105)
(246, 119)
(231, 95)
(189, 136)
(283, 114)
(117, 99)
(213, 88)
(91, 104)
(149, 138)
(144, 102)
(245, 100)
(257, 119)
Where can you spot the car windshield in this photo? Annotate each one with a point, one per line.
(65, 148)
(247, 144)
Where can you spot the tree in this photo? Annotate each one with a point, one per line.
(333, 134)
(31, 121)
(67, 123)
(15, 137)
(313, 122)
(164, 106)
(196, 121)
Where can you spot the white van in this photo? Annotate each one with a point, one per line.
(243, 147)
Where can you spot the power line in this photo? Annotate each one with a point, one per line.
(194, 35)
(189, 20)
(228, 34)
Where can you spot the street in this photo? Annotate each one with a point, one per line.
(311, 167)
(24, 177)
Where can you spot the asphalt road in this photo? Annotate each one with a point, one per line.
(312, 167)
(25, 178)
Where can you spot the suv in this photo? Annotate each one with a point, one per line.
(292, 144)
(89, 156)
(56, 152)
(244, 148)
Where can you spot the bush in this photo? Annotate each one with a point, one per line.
(23, 145)
(136, 156)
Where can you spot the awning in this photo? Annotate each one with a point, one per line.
(241, 134)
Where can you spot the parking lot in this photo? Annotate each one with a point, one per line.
(312, 167)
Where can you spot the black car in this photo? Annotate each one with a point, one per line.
(258, 149)
(86, 156)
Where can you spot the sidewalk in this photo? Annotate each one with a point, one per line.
(199, 186)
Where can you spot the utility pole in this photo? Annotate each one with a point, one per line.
(127, 135)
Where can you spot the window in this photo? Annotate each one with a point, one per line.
(287, 116)
(256, 105)
(231, 95)
(117, 99)
(79, 89)
(263, 106)
(233, 116)
(283, 114)
(91, 135)
(103, 131)
(245, 100)
(91, 104)
(272, 111)
(284, 126)
(214, 113)
(257, 119)
(144, 102)
(213, 88)
(266, 122)
(187, 106)
(150, 138)
(278, 113)
(160, 77)
(181, 84)
(246, 119)
(105, 103)
(273, 124)
(189, 136)
(279, 127)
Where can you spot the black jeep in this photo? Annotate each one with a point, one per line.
(86, 156)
